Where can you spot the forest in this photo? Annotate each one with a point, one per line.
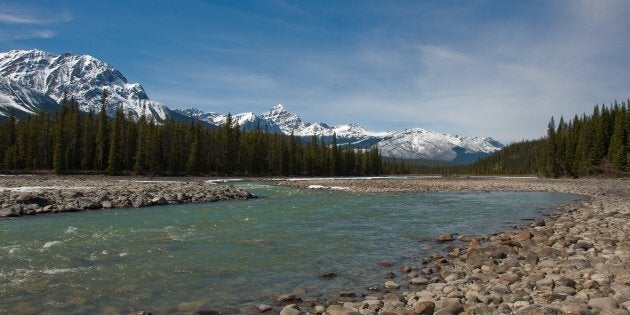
(597, 144)
(73, 142)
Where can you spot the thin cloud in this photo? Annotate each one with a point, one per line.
(26, 34)
(31, 16)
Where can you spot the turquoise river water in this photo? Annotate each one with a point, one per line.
(236, 253)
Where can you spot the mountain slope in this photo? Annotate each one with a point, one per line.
(20, 101)
(415, 143)
(418, 143)
(83, 78)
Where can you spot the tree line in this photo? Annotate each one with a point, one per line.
(597, 144)
(70, 142)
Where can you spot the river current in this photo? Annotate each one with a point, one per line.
(237, 253)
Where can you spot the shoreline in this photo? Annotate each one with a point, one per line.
(22, 195)
(575, 261)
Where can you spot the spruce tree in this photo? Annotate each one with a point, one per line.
(102, 135)
(114, 163)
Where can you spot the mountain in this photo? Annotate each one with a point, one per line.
(20, 101)
(34, 80)
(82, 77)
(415, 143)
(418, 143)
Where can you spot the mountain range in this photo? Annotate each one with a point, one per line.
(414, 143)
(34, 80)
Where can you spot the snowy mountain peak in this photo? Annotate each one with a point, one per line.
(83, 77)
(278, 108)
(286, 122)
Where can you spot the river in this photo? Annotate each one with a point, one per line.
(237, 253)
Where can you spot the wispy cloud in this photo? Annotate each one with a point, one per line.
(28, 22)
(31, 15)
(26, 34)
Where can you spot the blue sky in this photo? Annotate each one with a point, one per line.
(473, 68)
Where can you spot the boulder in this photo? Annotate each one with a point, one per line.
(159, 201)
(480, 256)
(419, 281)
(340, 310)
(32, 199)
(290, 310)
(12, 211)
(262, 308)
(538, 309)
(392, 285)
(424, 307)
(138, 202)
(288, 298)
(445, 238)
(85, 203)
(107, 204)
(581, 244)
(453, 305)
(523, 236)
(603, 303)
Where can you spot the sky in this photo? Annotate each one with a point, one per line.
(496, 69)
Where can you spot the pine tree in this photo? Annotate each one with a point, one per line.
(114, 163)
(102, 135)
(618, 152)
(551, 166)
(58, 147)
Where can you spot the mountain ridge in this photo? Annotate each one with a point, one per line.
(35, 80)
(81, 77)
(411, 143)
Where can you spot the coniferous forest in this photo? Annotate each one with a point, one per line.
(71, 142)
(589, 145)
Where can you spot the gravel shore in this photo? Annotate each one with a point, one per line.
(574, 262)
(30, 195)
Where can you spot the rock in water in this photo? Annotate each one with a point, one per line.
(392, 285)
(445, 238)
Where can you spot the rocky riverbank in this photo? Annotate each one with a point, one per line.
(30, 195)
(574, 262)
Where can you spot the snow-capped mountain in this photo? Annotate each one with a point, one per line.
(418, 143)
(415, 143)
(247, 121)
(82, 77)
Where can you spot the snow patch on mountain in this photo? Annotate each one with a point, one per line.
(418, 143)
(20, 101)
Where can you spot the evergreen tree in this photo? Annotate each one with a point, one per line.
(102, 135)
(618, 151)
(114, 164)
(551, 165)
